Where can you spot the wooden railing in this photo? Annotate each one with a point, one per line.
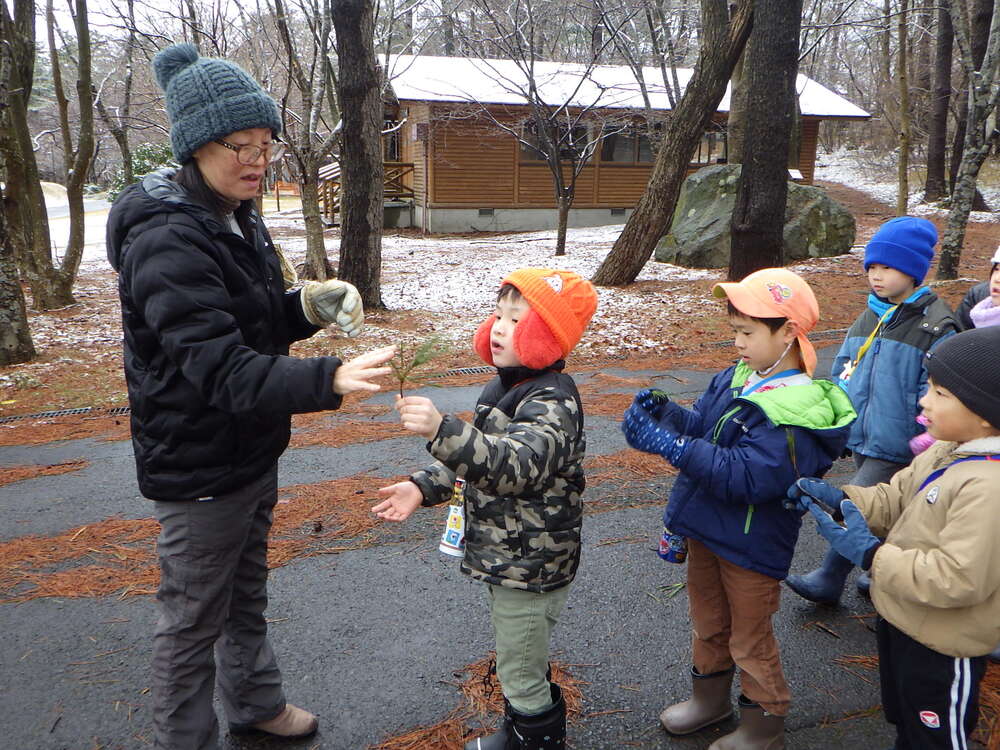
(395, 188)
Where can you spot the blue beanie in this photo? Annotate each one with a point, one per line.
(905, 243)
(209, 98)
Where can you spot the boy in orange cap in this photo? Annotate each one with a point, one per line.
(522, 462)
(759, 423)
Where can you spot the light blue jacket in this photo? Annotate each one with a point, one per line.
(890, 378)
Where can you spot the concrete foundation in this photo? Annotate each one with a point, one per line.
(512, 219)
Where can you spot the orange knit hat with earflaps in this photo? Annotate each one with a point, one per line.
(562, 304)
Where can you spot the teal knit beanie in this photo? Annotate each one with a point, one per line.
(209, 98)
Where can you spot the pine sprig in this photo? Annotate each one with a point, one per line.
(411, 358)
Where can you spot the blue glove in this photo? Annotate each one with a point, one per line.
(855, 542)
(802, 494)
(653, 401)
(644, 434)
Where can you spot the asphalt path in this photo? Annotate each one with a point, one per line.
(371, 639)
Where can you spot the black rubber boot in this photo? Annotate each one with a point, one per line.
(544, 731)
(500, 739)
(825, 584)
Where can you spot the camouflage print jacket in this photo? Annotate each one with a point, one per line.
(522, 461)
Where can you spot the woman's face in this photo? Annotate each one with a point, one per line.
(223, 171)
(995, 285)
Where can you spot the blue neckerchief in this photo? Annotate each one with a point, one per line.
(759, 383)
(881, 306)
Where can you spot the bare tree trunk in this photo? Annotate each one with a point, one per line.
(77, 160)
(982, 97)
(27, 220)
(979, 12)
(772, 63)
(736, 123)
(317, 263)
(119, 126)
(15, 337)
(563, 223)
(903, 164)
(359, 90)
(936, 187)
(721, 47)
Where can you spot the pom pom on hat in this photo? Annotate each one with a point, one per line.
(905, 243)
(208, 98)
(171, 61)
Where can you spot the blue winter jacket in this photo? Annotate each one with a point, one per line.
(890, 378)
(743, 454)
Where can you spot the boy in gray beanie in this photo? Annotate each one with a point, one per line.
(936, 577)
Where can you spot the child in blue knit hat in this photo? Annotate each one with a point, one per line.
(881, 366)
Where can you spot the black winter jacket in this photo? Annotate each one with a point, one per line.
(207, 327)
(974, 296)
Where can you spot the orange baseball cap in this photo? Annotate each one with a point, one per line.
(776, 293)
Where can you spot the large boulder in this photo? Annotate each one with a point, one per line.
(815, 224)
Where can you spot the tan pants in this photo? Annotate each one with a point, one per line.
(731, 609)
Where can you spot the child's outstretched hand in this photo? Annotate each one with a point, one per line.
(401, 499)
(419, 415)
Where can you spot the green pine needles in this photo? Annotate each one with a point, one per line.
(412, 357)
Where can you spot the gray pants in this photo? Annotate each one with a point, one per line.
(871, 471)
(213, 593)
(522, 624)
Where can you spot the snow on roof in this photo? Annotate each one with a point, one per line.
(490, 81)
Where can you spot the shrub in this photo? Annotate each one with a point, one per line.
(146, 158)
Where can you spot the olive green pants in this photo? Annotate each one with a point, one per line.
(522, 625)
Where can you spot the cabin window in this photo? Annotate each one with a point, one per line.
(572, 141)
(630, 145)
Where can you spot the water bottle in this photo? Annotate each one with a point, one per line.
(673, 547)
(453, 538)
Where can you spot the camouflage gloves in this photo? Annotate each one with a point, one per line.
(333, 302)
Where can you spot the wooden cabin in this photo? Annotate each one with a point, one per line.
(455, 155)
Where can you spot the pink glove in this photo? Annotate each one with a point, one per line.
(923, 441)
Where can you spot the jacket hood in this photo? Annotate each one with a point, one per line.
(821, 407)
(154, 195)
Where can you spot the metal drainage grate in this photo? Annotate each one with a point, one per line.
(464, 371)
(117, 411)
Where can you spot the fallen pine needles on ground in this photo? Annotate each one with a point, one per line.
(20, 473)
(482, 700)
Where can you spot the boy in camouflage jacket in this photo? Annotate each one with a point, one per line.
(522, 461)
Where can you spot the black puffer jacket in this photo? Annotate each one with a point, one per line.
(207, 326)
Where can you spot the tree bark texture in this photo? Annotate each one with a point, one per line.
(722, 43)
(983, 95)
(980, 12)
(736, 122)
(76, 159)
(27, 219)
(936, 185)
(772, 63)
(902, 79)
(15, 337)
(359, 94)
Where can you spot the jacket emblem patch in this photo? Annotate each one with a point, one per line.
(932, 495)
(930, 719)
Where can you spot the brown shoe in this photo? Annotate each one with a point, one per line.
(710, 703)
(758, 730)
(291, 723)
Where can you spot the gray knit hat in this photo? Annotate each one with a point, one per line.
(209, 98)
(968, 365)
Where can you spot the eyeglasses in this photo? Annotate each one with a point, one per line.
(250, 154)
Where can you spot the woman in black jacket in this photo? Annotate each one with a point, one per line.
(207, 325)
